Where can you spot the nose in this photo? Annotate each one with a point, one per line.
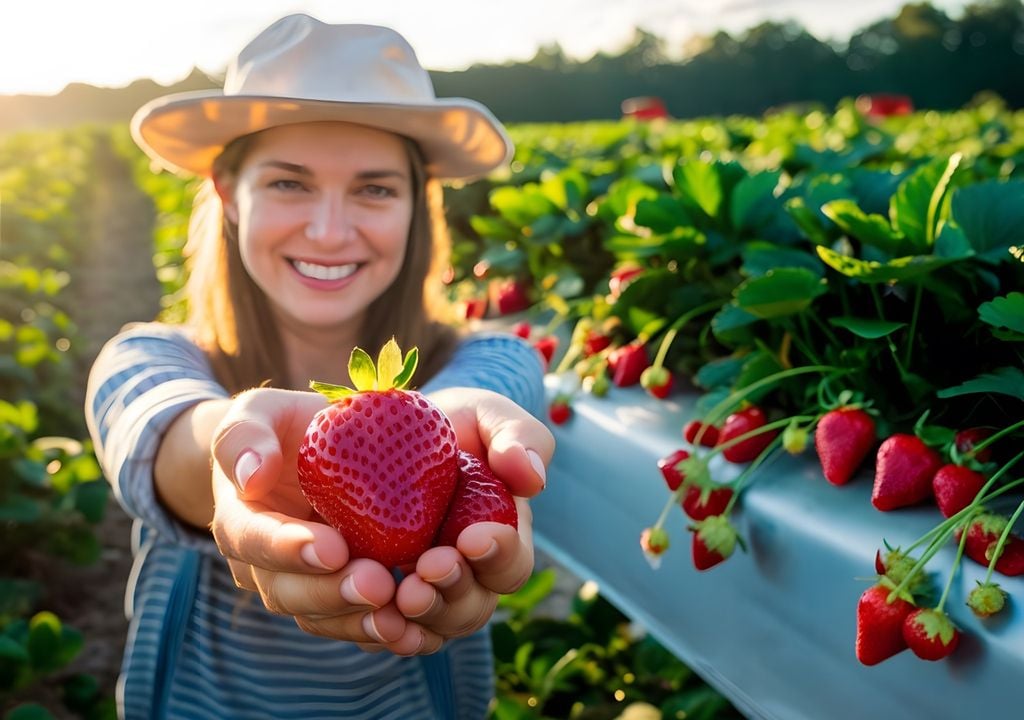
(329, 223)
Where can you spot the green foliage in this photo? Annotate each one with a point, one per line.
(590, 665)
(51, 490)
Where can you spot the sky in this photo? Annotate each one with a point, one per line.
(45, 44)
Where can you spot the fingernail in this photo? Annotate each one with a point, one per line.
(370, 628)
(433, 606)
(538, 467)
(489, 553)
(308, 554)
(453, 576)
(351, 594)
(245, 466)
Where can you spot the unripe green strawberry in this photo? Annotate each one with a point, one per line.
(379, 464)
(986, 599)
(654, 543)
(657, 381)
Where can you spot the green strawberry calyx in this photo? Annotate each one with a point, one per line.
(391, 372)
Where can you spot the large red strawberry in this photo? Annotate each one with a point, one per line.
(740, 423)
(955, 486)
(379, 463)
(904, 468)
(930, 633)
(479, 497)
(843, 438)
(880, 624)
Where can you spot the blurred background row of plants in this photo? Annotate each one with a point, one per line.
(708, 196)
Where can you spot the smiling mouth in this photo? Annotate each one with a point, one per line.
(324, 272)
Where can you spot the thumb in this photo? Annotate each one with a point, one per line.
(519, 447)
(248, 452)
(247, 444)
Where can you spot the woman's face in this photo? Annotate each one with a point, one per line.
(323, 213)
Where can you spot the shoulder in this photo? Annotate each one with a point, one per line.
(152, 337)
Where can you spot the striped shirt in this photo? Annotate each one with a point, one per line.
(198, 647)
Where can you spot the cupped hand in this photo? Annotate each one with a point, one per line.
(272, 540)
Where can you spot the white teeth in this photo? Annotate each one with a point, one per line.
(324, 272)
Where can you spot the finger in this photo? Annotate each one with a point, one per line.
(416, 640)
(443, 595)
(518, 446)
(384, 626)
(270, 540)
(500, 556)
(242, 574)
(361, 586)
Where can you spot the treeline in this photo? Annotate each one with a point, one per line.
(939, 61)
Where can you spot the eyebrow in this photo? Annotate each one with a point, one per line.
(303, 170)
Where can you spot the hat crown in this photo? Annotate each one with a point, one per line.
(301, 57)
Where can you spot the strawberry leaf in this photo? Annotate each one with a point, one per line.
(867, 328)
(408, 369)
(869, 271)
(361, 370)
(781, 292)
(389, 365)
(330, 391)
(1006, 381)
(1005, 312)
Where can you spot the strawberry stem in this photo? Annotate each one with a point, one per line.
(767, 427)
(1002, 541)
(740, 482)
(956, 564)
(719, 411)
(678, 325)
(992, 438)
(912, 332)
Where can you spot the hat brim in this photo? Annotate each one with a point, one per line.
(185, 132)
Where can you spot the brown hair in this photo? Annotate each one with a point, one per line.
(231, 316)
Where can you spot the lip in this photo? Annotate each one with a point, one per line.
(324, 284)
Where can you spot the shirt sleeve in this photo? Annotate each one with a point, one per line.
(500, 362)
(141, 381)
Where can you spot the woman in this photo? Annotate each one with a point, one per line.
(318, 230)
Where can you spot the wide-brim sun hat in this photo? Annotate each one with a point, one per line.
(303, 70)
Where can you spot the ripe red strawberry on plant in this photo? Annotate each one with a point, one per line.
(560, 410)
(966, 440)
(955, 487)
(692, 433)
(880, 623)
(703, 502)
(904, 468)
(740, 423)
(620, 278)
(843, 438)
(379, 463)
(595, 342)
(546, 346)
(479, 497)
(627, 364)
(930, 634)
(670, 470)
(509, 295)
(714, 541)
(982, 537)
